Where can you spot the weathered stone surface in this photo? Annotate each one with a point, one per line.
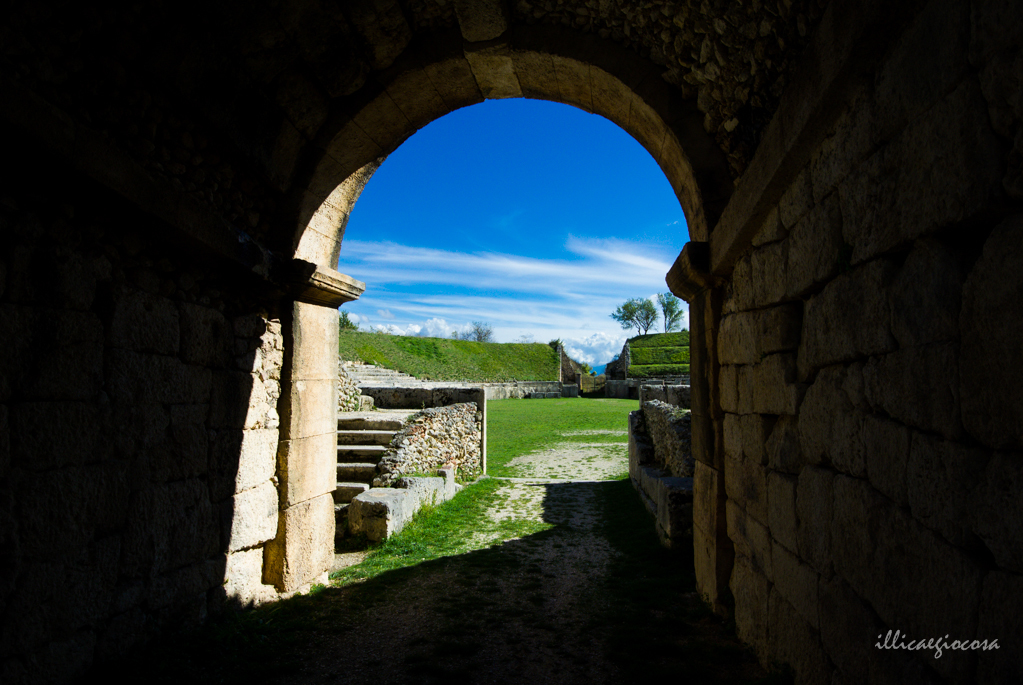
(243, 576)
(886, 448)
(251, 517)
(494, 71)
(940, 478)
(918, 386)
(771, 386)
(815, 506)
(793, 641)
(169, 526)
(926, 295)
(481, 20)
(242, 400)
(876, 544)
(206, 336)
(48, 435)
(304, 545)
(751, 590)
(815, 248)
(313, 329)
(783, 451)
(670, 431)
(746, 483)
(772, 230)
(996, 510)
(379, 513)
(670, 500)
(306, 467)
(144, 323)
(727, 384)
(941, 169)
(830, 427)
(768, 269)
(751, 539)
(138, 378)
(991, 328)
(241, 459)
(746, 337)
(448, 436)
(732, 432)
(848, 319)
(796, 201)
(1001, 618)
(797, 583)
(781, 516)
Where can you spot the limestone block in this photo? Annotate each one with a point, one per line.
(144, 323)
(772, 230)
(940, 170)
(168, 526)
(382, 26)
(1001, 618)
(454, 81)
(609, 95)
(996, 511)
(781, 514)
(416, 97)
(768, 273)
(727, 383)
(783, 451)
(537, 78)
(751, 591)
(773, 386)
(751, 539)
(814, 507)
(755, 430)
(481, 21)
(311, 409)
(793, 641)
(737, 339)
(796, 201)
(886, 447)
(251, 517)
(138, 378)
(304, 545)
(797, 583)
(314, 333)
(243, 579)
(708, 498)
(240, 460)
(378, 513)
(746, 337)
(940, 478)
(815, 248)
(744, 389)
(206, 336)
(306, 467)
(829, 427)
(742, 283)
(746, 484)
(906, 87)
(733, 436)
(177, 585)
(348, 151)
(918, 386)
(48, 435)
(926, 295)
(991, 327)
(848, 319)
(185, 454)
(494, 71)
(913, 579)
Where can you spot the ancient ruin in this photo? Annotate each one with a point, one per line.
(177, 184)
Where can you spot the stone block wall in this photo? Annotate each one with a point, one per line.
(138, 429)
(868, 427)
(669, 428)
(434, 437)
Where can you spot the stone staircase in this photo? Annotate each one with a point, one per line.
(368, 374)
(362, 440)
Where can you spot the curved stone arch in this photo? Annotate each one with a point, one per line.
(433, 79)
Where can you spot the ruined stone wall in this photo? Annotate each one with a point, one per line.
(348, 392)
(670, 431)
(435, 437)
(870, 379)
(138, 428)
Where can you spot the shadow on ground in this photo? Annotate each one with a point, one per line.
(594, 599)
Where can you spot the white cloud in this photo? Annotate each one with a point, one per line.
(595, 349)
(384, 314)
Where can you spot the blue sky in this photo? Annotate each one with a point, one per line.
(535, 217)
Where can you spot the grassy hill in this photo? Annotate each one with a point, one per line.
(452, 360)
(659, 354)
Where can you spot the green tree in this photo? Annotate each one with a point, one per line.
(347, 324)
(639, 313)
(671, 308)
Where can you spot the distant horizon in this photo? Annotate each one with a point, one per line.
(534, 217)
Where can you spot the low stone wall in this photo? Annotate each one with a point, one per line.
(348, 392)
(381, 512)
(521, 389)
(668, 499)
(438, 436)
(629, 389)
(670, 430)
(678, 395)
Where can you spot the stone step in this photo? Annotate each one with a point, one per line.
(385, 420)
(348, 454)
(356, 471)
(364, 437)
(346, 492)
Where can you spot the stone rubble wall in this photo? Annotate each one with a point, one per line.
(434, 437)
(678, 395)
(669, 499)
(670, 431)
(348, 392)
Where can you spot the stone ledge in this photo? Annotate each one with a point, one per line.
(379, 513)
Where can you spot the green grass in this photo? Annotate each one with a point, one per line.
(680, 339)
(452, 360)
(515, 427)
(659, 355)
(657, 370)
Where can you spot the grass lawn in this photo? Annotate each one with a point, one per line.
(515, 427)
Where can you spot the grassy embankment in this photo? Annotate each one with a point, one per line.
(452, 360)
(659, 354)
